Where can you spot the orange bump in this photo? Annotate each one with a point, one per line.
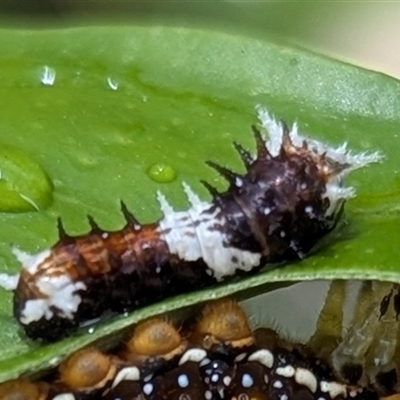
(85, 369)
(154, 337)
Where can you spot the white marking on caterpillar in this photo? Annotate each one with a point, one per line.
(31, 262)
(194, 200)
(333, 388)
(195, 355)
(287, 371)
(306, 378)
(166, 208)
(265, 357)
(191, 243)
(9, 282)
(126, 374)
(61, 294)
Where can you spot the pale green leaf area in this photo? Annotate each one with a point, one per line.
(126, 99)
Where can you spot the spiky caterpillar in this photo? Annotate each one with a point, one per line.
(219, 358)
(289, 197)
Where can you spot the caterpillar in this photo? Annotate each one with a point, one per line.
(218, 358)
(290, 196)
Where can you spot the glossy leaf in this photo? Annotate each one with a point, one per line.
(98, 107)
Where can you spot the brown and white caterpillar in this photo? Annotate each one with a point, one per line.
(290, 196)
(219, 358)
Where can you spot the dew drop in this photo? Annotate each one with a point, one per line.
(112, 83)
(24, 185)
(48, 76)
(161, 173)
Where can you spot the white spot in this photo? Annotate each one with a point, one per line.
(104, 235)
(238, 182)
(183, 381)
(282, 234)
(64, 396)
(287, 371)
(195, 355)
(60, 292)
(283, 397)
(265, 357)
(303, 186)
(166, 208)
(214, 378)
(31, 262)
(194, 200)
(267, 210)
(48, 76)
(9, 282)
(148, 388)
(126, 374)
(158, 270)
(227, 380)
(208, 395)
(247, 381)
(278, 385)
(309, 210)
(112, 84)
(306, 378)
(333, 388)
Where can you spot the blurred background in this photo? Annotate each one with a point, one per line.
(361, 32)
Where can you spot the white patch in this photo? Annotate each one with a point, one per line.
(192, 242)
(208, 395)
(247, 381)
(9, 282)
(195, 355)
(126, 374)
(214, 378)
(64, 396)
(333, 388)
(60, 292)
(31, 262)
(341, 155)
(265, 357)
(306, 378)
(183, 381)
(287, 371)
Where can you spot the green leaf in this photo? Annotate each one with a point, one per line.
(124, 100)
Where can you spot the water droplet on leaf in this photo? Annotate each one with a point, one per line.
(161, 173)
(24, 185)
(48, 76)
